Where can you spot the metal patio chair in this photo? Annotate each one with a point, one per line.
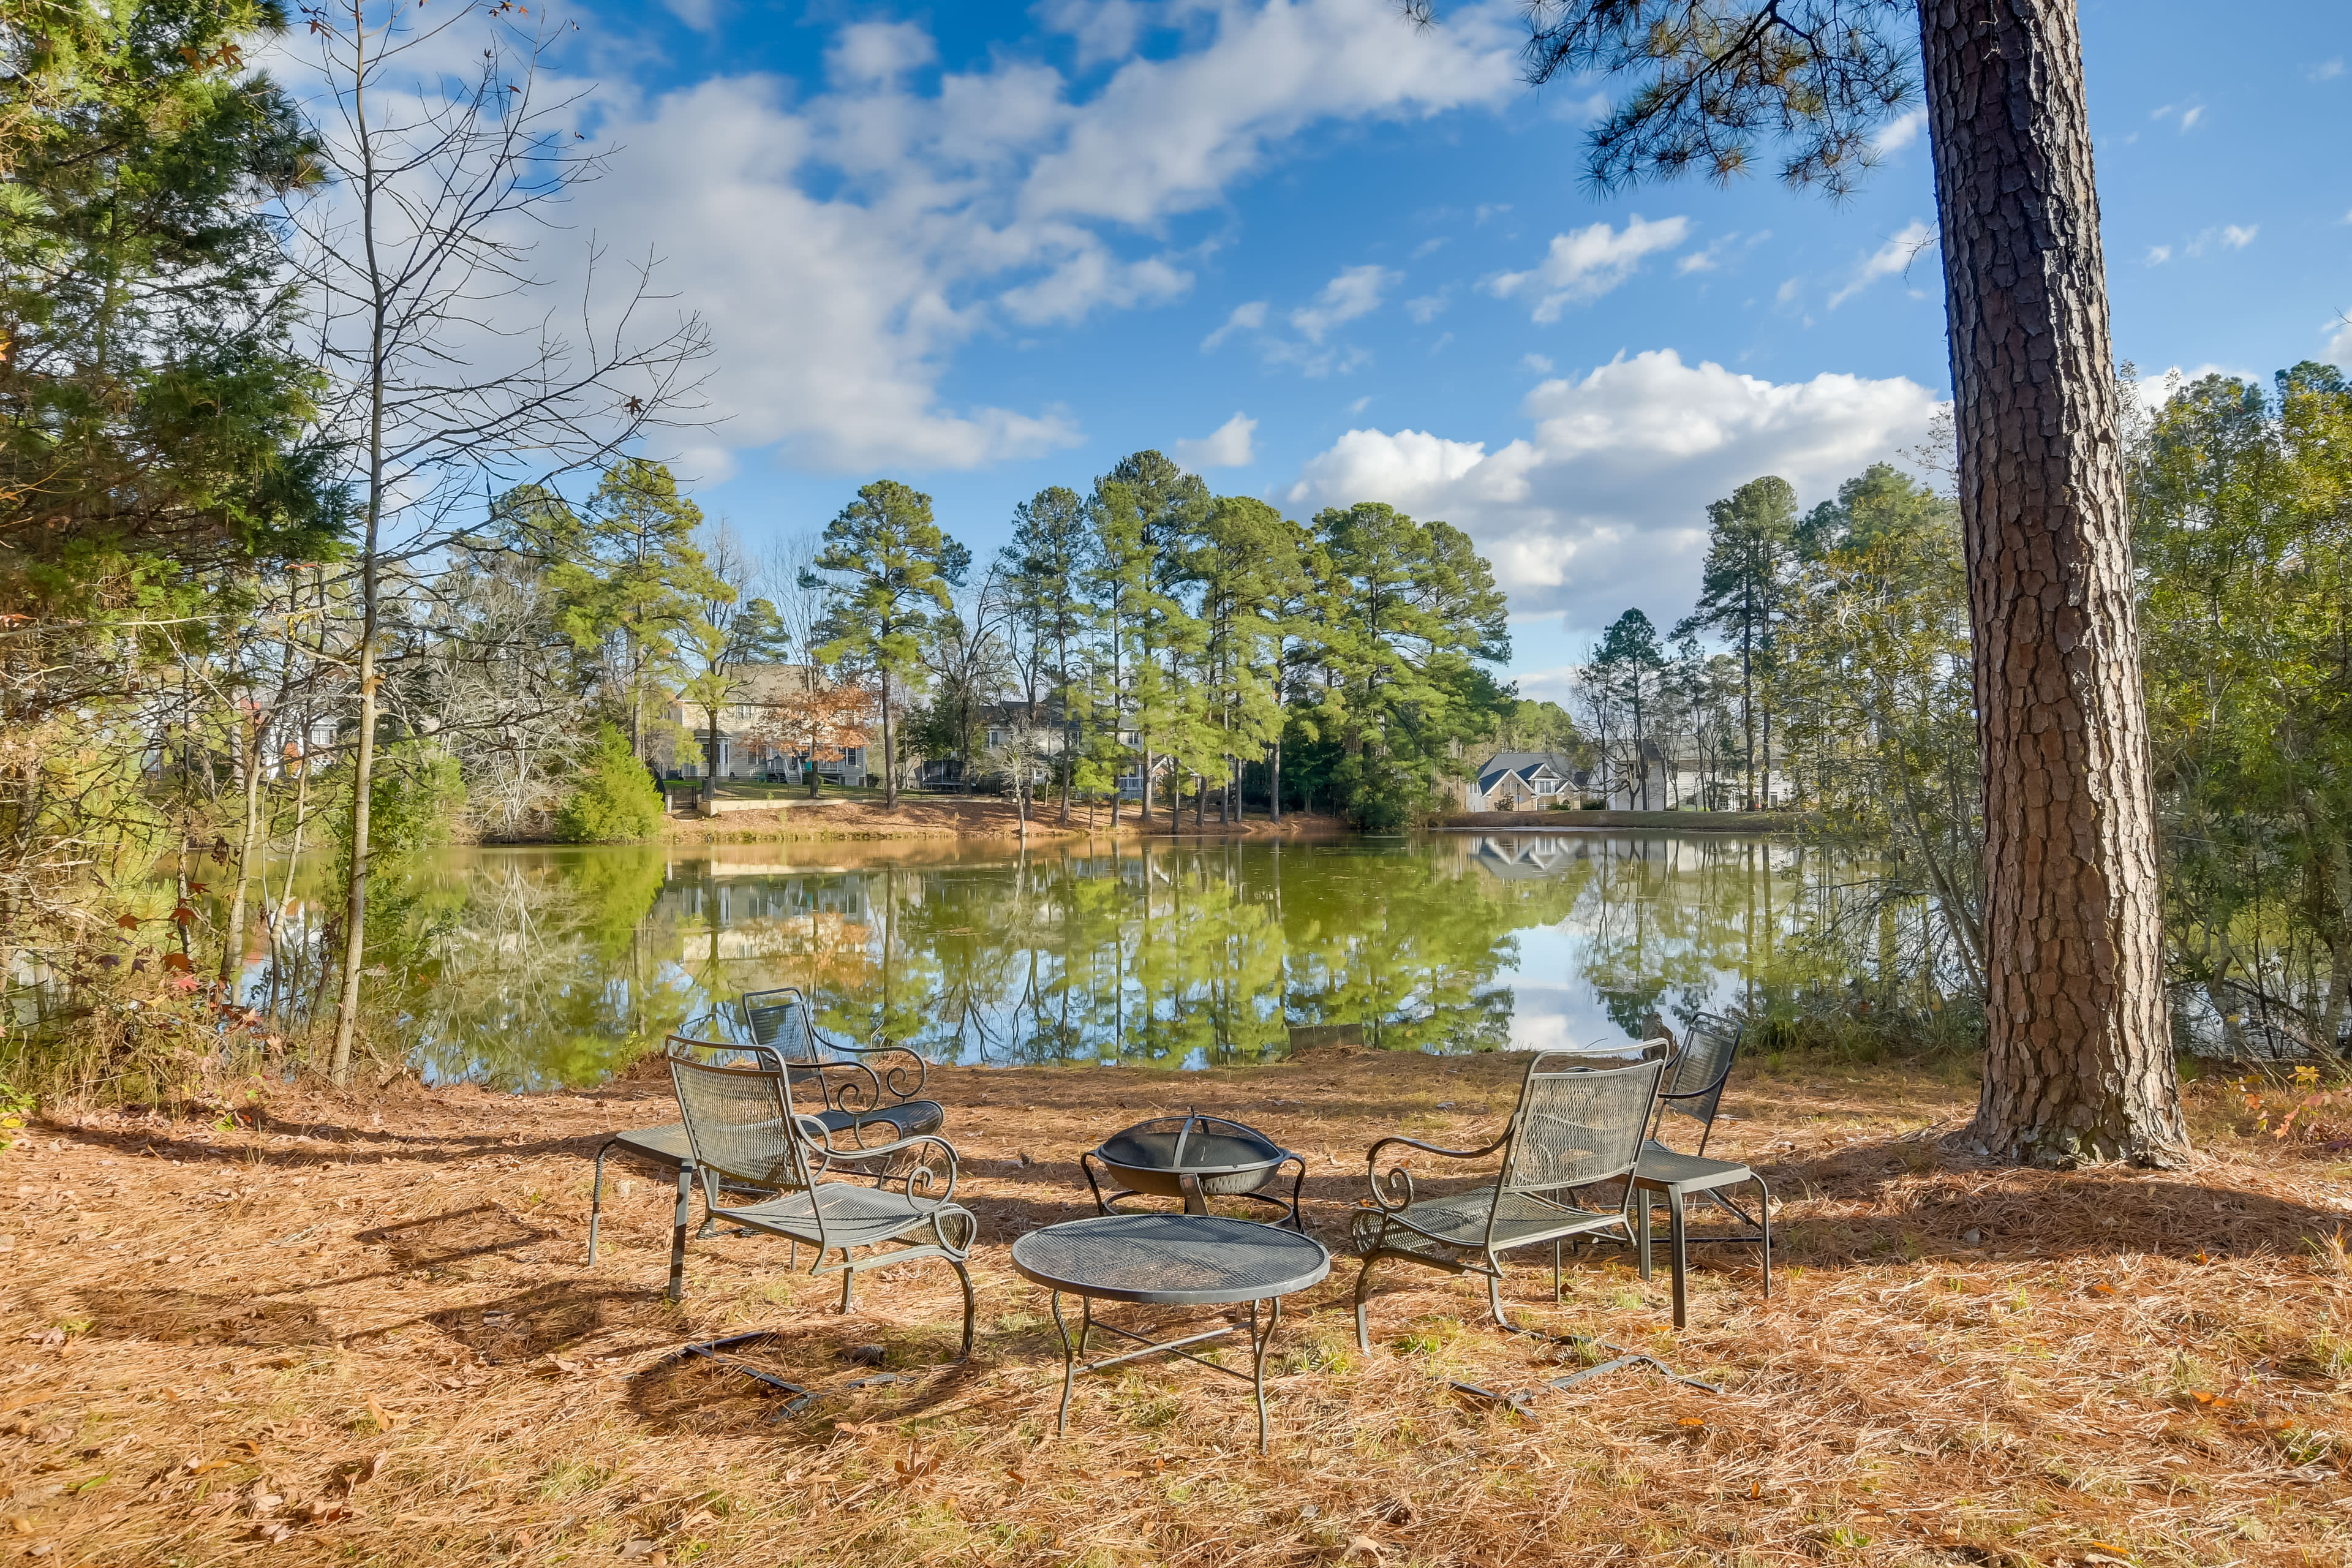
(1575, 1127)
(746, 1133)
(867, 1084)
(1694, 1089)
(666, 1148)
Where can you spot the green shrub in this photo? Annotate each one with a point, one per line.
(615, 797)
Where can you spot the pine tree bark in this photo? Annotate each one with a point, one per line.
(2079, 1062)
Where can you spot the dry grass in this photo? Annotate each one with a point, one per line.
(362, 1333)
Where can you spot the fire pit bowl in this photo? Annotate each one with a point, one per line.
(1194, 1158)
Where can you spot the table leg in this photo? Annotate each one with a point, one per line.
(1259, 1342)
(1641, 1230)
(1069, 1365)
(677, 1232)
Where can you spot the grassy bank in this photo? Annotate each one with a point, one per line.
(359, 1330)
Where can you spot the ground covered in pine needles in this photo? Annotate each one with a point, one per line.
(320, 1329)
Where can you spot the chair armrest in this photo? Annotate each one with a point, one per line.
(1394, 1192)
(892, 1078)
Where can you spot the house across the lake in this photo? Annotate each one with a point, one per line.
(1524, 781)
(752, 734)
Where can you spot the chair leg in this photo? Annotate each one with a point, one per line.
(596, 1201)
(1555, 1273)
(1678, 1245)
(677, 1234)
(1494, 1293)
(1364, 1284)
(971, 1306)
(1641, 1231)
(848, 1281)
(1764, 1220)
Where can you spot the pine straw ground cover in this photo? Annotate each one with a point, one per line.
(360, 1331)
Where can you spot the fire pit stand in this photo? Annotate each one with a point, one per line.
(1194, 1158)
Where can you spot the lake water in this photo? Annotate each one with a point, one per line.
(536, 968)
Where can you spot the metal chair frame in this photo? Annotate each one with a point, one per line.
(1707, 1070)
(789, 1154)
(1531, 1173)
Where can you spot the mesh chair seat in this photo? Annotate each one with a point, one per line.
(1692, 1173)
(1519, 1218)
(854, 1215)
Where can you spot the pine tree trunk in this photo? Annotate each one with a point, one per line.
(2079, 1060)
(889, 774)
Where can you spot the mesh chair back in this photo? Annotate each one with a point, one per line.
(1694, 1085)
(738, 1105)
(780, 1020)
(1575, 1126)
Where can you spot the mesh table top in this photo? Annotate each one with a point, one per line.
(1172, 1259)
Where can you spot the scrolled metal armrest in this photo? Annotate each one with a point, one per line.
(893, 1074)
(1393, 1192)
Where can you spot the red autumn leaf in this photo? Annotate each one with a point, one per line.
(128, 923)
(184, 914)
(178, 962)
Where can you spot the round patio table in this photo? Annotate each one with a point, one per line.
(1170, 1260)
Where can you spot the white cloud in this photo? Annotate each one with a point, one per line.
(699, 15)
(1895, 255)
(847, 241)
(1246, 318)
(1711, 258)
(1103, 29)
(1356, 291)
(2238, 237)
(1229, 445)
(1787, 293)
(2157, 255)
(1604, 503)
(2190, 116)
(2339, 347)
(1587, 263)
(868, 54)
(1425, 310)
(2326, 70)
(1487, 210)
(1902, 131)
(1537, 362)
(1428, 247)
(1360, 403)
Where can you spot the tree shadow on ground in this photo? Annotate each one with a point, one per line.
(1903, 1198)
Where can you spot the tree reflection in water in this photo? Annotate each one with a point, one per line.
(540, 968)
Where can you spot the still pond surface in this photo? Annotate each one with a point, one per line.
(540, 968)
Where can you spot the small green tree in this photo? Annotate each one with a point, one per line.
(615, 798)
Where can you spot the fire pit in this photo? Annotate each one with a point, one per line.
(1194, 1158)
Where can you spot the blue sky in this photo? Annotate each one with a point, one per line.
(1324, 259)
